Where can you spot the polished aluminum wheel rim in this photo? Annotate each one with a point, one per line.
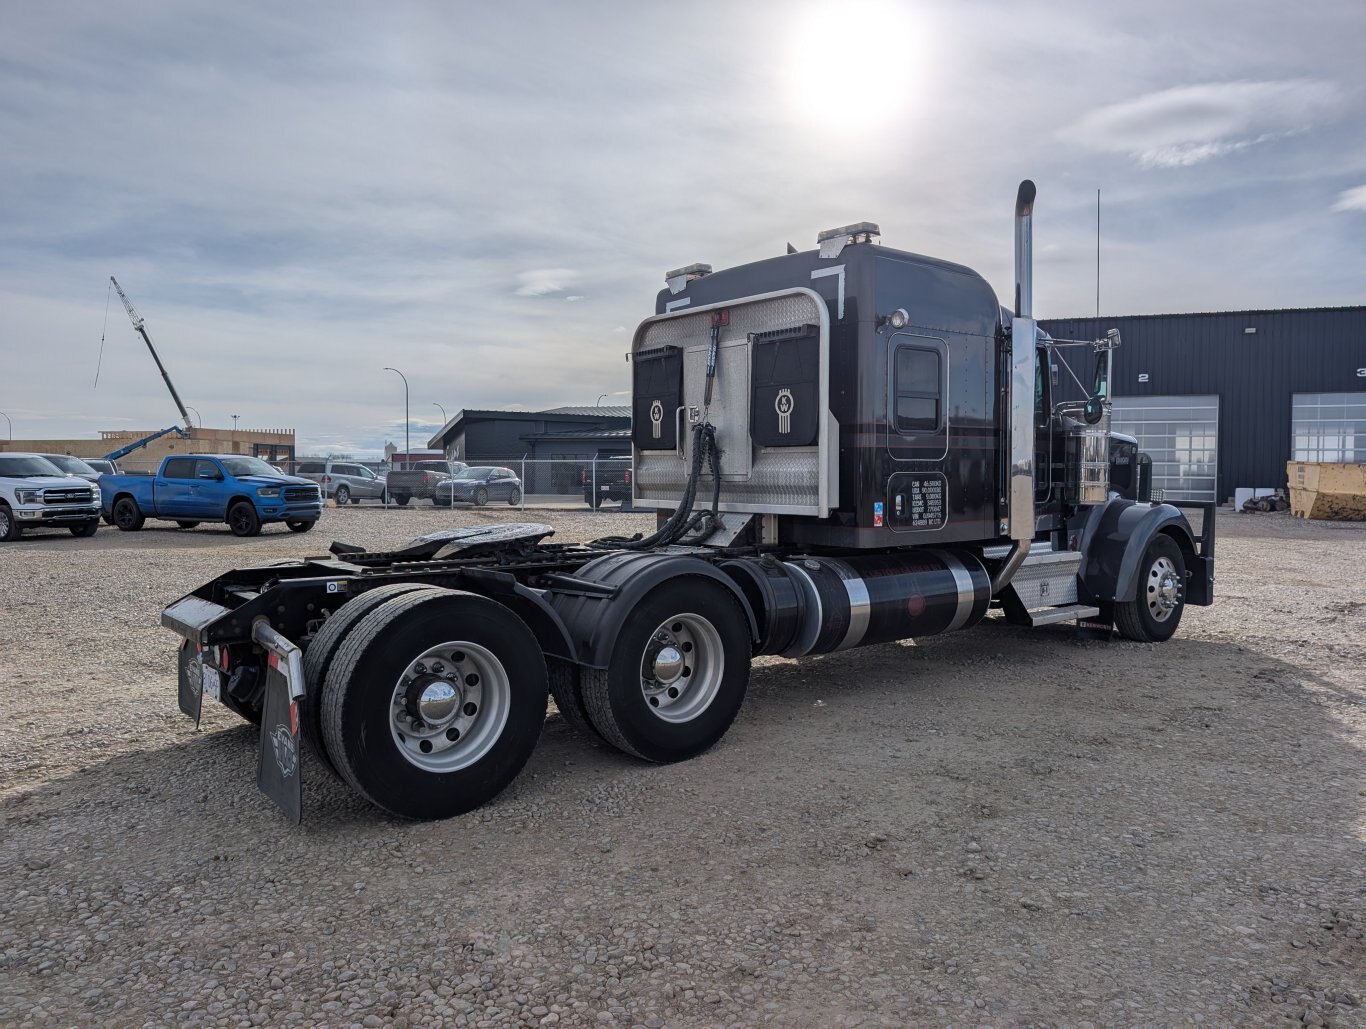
(450, 706)
(1164, 589)
(681, 669)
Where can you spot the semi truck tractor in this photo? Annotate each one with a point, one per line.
(846, 446)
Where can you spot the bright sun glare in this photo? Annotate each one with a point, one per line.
(851, 63)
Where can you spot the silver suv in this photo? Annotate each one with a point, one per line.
(344, 481)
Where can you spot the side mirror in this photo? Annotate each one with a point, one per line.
(1093, 411)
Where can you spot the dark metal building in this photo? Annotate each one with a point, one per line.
(1222, 401)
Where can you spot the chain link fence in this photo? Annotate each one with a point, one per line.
(574, 483)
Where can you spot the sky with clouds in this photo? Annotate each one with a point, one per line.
(487, 196)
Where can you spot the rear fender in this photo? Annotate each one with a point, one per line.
(1114, 540)
(613, 585)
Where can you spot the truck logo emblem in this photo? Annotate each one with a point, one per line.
(286, 751)
(783, 405)
(657, 419)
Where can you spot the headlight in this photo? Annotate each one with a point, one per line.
(268, 491)
(29, 496)
(95, 491)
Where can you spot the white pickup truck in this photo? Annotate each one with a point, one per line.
(36, 493)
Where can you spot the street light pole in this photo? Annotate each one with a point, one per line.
(600, 399)
(407, 443)
(444, 419)
(10, 424)
(234, 425)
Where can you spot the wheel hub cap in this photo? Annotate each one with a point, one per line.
(449, 706)
(668, 664)
(681, 668)
(1164, 589)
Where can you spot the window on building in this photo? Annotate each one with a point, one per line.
(1328, 427)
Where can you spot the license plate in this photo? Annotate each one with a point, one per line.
(212, 682)
(604, 488)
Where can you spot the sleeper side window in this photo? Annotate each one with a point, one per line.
(917, 390)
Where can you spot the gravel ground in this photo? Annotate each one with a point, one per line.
(995, 827)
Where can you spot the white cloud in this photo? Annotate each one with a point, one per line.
(573, 299)
(1352, 200)
(544, 281)
(1187, 125)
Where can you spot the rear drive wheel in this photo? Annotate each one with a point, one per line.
(401, 499)
(323, 648)
(433, 703)
(677, 675)
(187, 525)
(566, 687)
(1159, 595)
(343, 495)
(481, 497)
(10, 529)
(515, 496)
(301, 525)
(85, 529)
(127, 515)
(243, 520)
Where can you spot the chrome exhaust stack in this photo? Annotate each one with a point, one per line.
(1018, 520)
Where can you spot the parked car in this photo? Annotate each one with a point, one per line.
(245, 492)
(607, 478)
(479, 485)
(36, 493)
(102, 466)
(421, 479)
(69, 465)
(345, 481)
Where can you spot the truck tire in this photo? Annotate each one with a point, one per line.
(566, 687)
(481, 497)
(127, 515)
(323, 648)
(343, 495)
(515, 496)
(303, 525)
(677, 673)
(243, 519)
(187, 525)
(482, 685)
(401, 499)
(86, 529)
(10, 529)
(1159, 595)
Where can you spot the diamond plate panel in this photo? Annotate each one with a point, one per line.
(754, 479)
(1048, 583)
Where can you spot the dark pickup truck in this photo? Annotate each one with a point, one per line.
(245, 492)
(607, 478)
(420, 479)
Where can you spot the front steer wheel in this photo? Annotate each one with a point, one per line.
(677, 675)
(1159, 595)
(301, 525)
(10, 529)
(243, 520)
(434, 702)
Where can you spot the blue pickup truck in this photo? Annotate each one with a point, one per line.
(245, 492)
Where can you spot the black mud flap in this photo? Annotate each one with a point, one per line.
(190, 683)
(278, 771)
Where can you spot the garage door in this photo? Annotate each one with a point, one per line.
(1181, 435)
(1329, 427)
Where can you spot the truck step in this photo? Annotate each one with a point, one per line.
(1065, 613)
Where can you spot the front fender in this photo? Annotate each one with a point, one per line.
(594, 616)
(1113, 542)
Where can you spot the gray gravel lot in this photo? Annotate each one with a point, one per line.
(996, 827)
